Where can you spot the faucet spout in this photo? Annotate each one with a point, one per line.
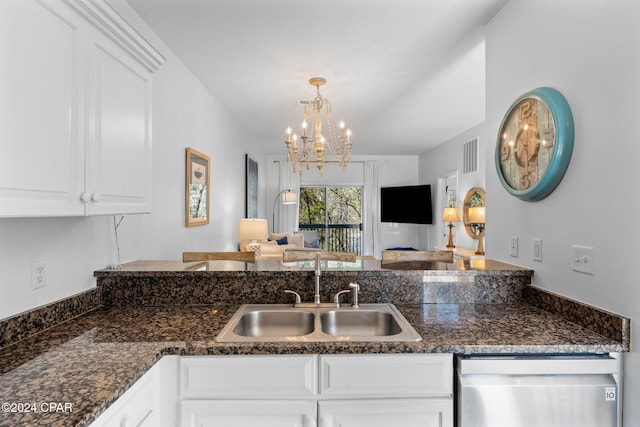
(316, 296)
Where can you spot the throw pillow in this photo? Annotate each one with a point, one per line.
(283, 241)
(314, 244)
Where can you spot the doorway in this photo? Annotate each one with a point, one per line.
(335, 213)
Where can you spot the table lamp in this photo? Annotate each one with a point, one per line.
(477, 220)
(253, 229)
(450, 215)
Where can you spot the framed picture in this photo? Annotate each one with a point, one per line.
(197, 188)
(252, 187)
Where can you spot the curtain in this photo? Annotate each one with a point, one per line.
(287, 215)
(371, 211)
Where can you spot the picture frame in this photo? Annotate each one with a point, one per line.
(251, 180)
(197, 188)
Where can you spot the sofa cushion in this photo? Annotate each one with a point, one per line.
(292, 238)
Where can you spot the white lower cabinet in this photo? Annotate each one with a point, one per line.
(317, 390)
(151, 402)
(385, 413)
(382, 390)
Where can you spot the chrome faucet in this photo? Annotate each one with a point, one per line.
(316, 296)
(354, 295)
(336, 297)
(339, 256)
(355, 288)
(297, 295)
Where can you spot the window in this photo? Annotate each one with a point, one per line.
(336, 214)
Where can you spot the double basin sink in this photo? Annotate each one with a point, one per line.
(286, 323)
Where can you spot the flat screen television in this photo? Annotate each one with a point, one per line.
(408, 204)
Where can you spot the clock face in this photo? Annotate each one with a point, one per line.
(526, 143)
(534, 144)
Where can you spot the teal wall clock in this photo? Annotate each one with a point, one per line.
(534, 144)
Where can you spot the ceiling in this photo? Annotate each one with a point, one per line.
(405, 75)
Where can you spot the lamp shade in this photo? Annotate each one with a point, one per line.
(253, 229)
(476, 215)
(450, 215)
(289, 198)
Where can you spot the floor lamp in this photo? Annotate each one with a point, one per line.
(288, 198)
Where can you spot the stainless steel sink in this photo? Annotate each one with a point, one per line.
(359, 323)
(283, 323)
(275, 323)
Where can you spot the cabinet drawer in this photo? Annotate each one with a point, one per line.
(248, 376)
(423, 412)
(387, 375)
(242, 413)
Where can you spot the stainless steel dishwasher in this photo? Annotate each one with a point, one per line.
(539, 391)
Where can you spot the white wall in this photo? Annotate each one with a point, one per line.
(393, 171)
(444, 159)
(589, 51)
(184, 114)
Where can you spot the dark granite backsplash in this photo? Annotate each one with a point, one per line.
(602, 322)
(31, 322)
(241, 287)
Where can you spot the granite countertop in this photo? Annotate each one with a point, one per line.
(88, 362)
(84, 352)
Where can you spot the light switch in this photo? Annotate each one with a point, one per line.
(514, 246)
(537, 249)
(583, 259)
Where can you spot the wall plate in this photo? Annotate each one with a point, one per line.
(537, 249)
(583, 259)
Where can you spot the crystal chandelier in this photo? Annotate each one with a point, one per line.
(314, 143)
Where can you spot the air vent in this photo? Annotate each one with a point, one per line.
(470, 156)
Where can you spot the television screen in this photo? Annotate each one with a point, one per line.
(408, 204)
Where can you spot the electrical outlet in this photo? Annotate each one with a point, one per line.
(537, 249)
(583, 259)
(38, 274)
(513, 249)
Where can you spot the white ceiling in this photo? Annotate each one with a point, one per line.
(404, 74)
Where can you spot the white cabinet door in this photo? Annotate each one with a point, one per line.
(136, 407)
(119, 131)
(75, 116)
(150, 402)
(42, 79)
(244, 413)
(386, 413)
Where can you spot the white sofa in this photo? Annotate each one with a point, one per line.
(270, 249)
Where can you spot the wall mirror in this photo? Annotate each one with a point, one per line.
(474, 197)
(197, 189)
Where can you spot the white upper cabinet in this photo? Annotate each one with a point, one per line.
(75, 110)
(119, 131)
(42, 80)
